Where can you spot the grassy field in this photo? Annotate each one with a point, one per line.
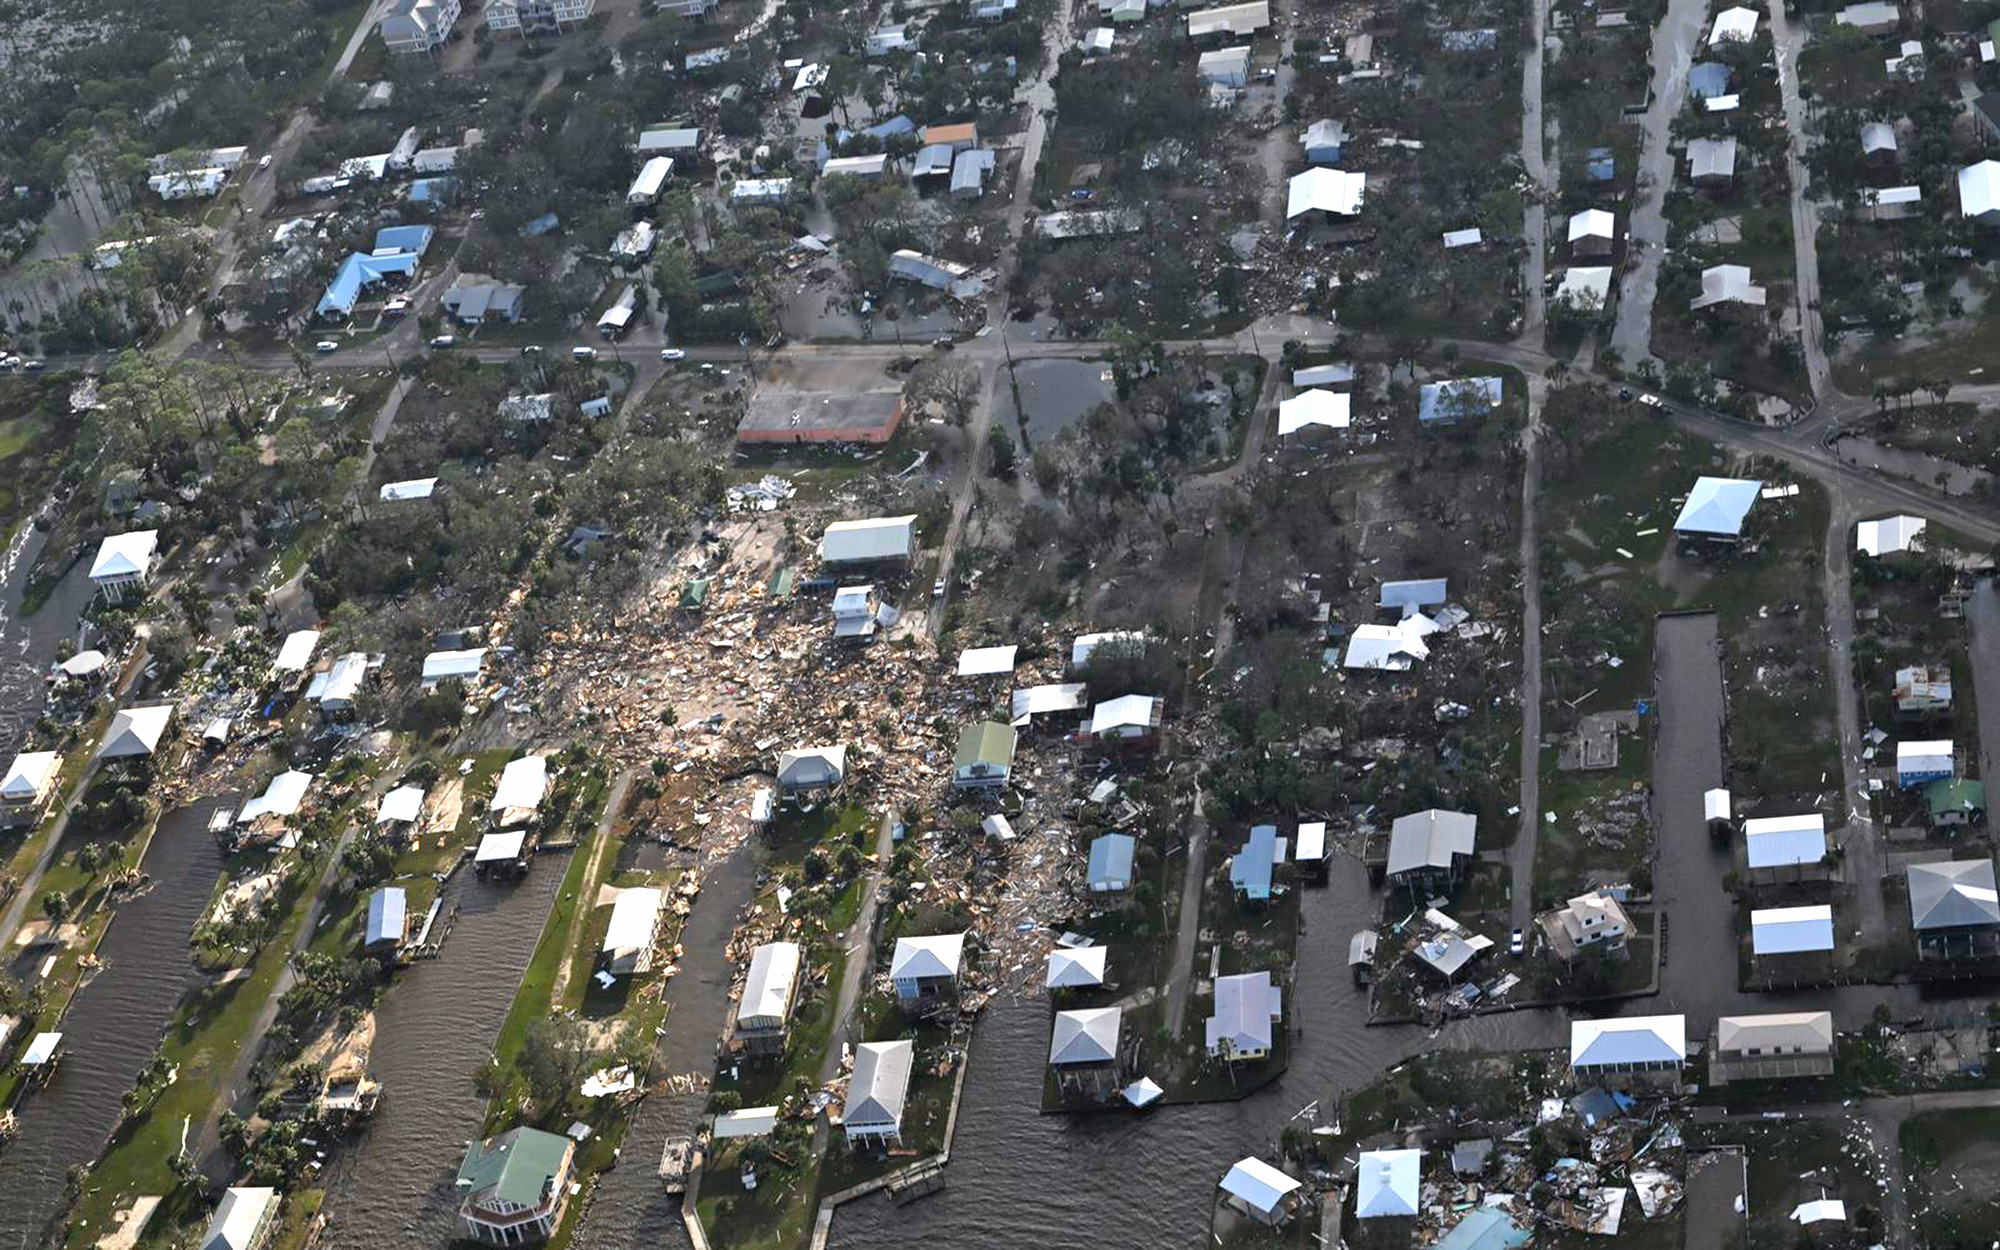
(1950, 1158)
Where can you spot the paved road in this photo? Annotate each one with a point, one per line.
(1983, 618)
(1534, 228)
(1521, 856)
(1789, 39)
(1865, 862)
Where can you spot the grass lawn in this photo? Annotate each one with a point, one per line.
(531, 999)
(777, 1214)
(1791, 1162)
(1951, 1157)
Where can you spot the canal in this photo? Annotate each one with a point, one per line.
(28, 643)
(393, 1186)
(114, 1024)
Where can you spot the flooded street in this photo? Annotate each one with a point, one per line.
(1056, 395)
(392, 1186)
(114, 1024)
(630, 1208)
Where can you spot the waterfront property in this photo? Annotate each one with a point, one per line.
(1079, 968)
(926, 968)
(124, 562)
(524, 783)
(1779, 1046)
(1644, 1050)
(388, 924)
(877, 1092)
(769, 990)
(1248, 1006)
(1954, 908)
(634, 927)
(244, 1220)
(135, 732)
(1593, 919)
(1428, 850)
(1786, 848)
(1804, 930)
(1083, 1052)
(1387, 1184)
(514, 1186)
(1251, 868)
(1260, 1191)
(25, 790)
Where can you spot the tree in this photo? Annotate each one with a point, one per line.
(55, 905)
(555, 1057)
(1000, 453)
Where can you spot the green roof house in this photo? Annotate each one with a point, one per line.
(694, 595)
(1956, 801)
(985, 756)
(513, 1187)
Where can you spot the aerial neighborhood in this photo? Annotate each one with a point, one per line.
(993, 622)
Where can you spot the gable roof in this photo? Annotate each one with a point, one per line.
(937, 955)
(1250, 868)
(1389, 647)
(135, 731)
(1487, 1228)
(523, 783)
(1736, 25)
(29, 772)
(876, 538)
(1953, 895)
(1325, 190)
(296, 652)
(1257, 1184)
(1889, 535)
(1627, 1039)
(1728, 284)
(518, 1166)
(1035, 700)
(238, 1218)
(1717, 505)
(1979, 189)
(280, 798)
(444, 665)
(1089, 1036)
(767, 990)
(1712, 158)
(988, 743)
(986, 661)
(1592, 223)
(388, 915)
(1111, 860)
(1121, 642)
(1124, 712)
(1776, 841)
(1314, 407)
(880, 1084)
(404, 803)
(1430, 839)
(1386, 1183)
(125, 555)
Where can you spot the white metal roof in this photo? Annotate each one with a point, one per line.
(1715, 804)
(935, 956)
(415, 488)
(1776, 841)
(1126, 710)
(125, 555)
(812, 765)
(280, 798)
(1430, 839)
(1230, 19)
(1979, 189)
(767, 990)
(1717, 505)
(1121, 641)
(1390, 647)
(1311, 843)
(1888, 535)
(296, 651)
(1257, 1184)
(1787, 1030)
(1036, 700)
(1712, 158)
(1469, 237)
(1089, 1036)
(1627, 1040)
(1247, 1005)
(1079, 967)
(41, 1049)
(1728, 284)
(986, 661)
(1592, 223)
(1386, 1183)
(135, 731)
(340, 683)
(1875, 198)
(1733, 24)
(238, 1219)
(1327, 190)
(500, 846)
(877, 538)
(444, 665)
(405, 803)
(749, 1122)
(83, 663)
(523, 783)
(1791, 930)
(1822, 1210)
(1925, 756)
(28, 774)
(1953, 895)
(1587, 286)
(1314, 407)
(1322, 375)
(880, 1084)
(635, 914)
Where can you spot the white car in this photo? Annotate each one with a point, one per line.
(1652, 401)
(264, 161)
(672, 353)
(445, 340)
(583, 353)
(326, 345)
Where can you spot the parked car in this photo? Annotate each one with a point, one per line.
(532, 349)
(445, 340)
(326, 345)
(672, 353)
(264, 161)
(583, 353)
(1518, 944)
(937, 589)
(1652, 401)
(35, 366)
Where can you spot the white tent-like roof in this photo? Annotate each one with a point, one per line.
(1781, 841)
(1036, 700)
(1315, 407)
(1085, 1036)
(1386, 1183)
(1791, 930)
(986, 661)
(82, 664)
(296, 651)
(404, 804)
(1078, 968)
(878, 538)
(1592, 223)
(125, 555)
(135, 731)
(415, 488)
(1122, 712)
(1979, 189)
(523, 783)
(1627, 1040)
(1823, 1210)
(1889, 535)
(280, 798)
(1325, 190)
(495, 847)
(1734, 25)
(1257, 1185)
(28, 775)
(1392, 648)
(41, 1049)
(1717, 505)
(1955, 894)
(935, 956)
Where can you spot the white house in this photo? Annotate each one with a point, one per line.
(135, 731)
(1390, 648)
(769, 989)
(336, 689)
(536, 17)
(1235, 20)
(1791, 930)
(1716, 508)
(1919, 762)
(1386, 1184)
(25, 790)
(877, 1091)
(1259, 1190)
(281, 798)
(415, 488)
(1315, 408)
(1889, 535)
(812, 768)
(627, 949)
(124, 561)
(418, 25)
(1225, 67)
(1247, 1006)
(1327, 192)
(443, 666)
(1127, 718)
(1736, 25)
(1727, 284)
(401, 806)
(862, 542)
(523, 784)
(1979, 192)
(652, 179)
(1074, 968)
(1785, 847)
(243, 1220)
(1592, 232)
(1604, 1050)
(925, 967)
(1430, 846)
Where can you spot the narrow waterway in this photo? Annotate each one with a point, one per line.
(114, 1024)
(28, 644)
(393, 1185)
(630, 1208)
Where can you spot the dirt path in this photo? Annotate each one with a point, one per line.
(1864, 864)
(614, 803)
(1521, 856)
(1788, 41)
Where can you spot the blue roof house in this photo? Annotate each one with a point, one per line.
(1250, 870)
